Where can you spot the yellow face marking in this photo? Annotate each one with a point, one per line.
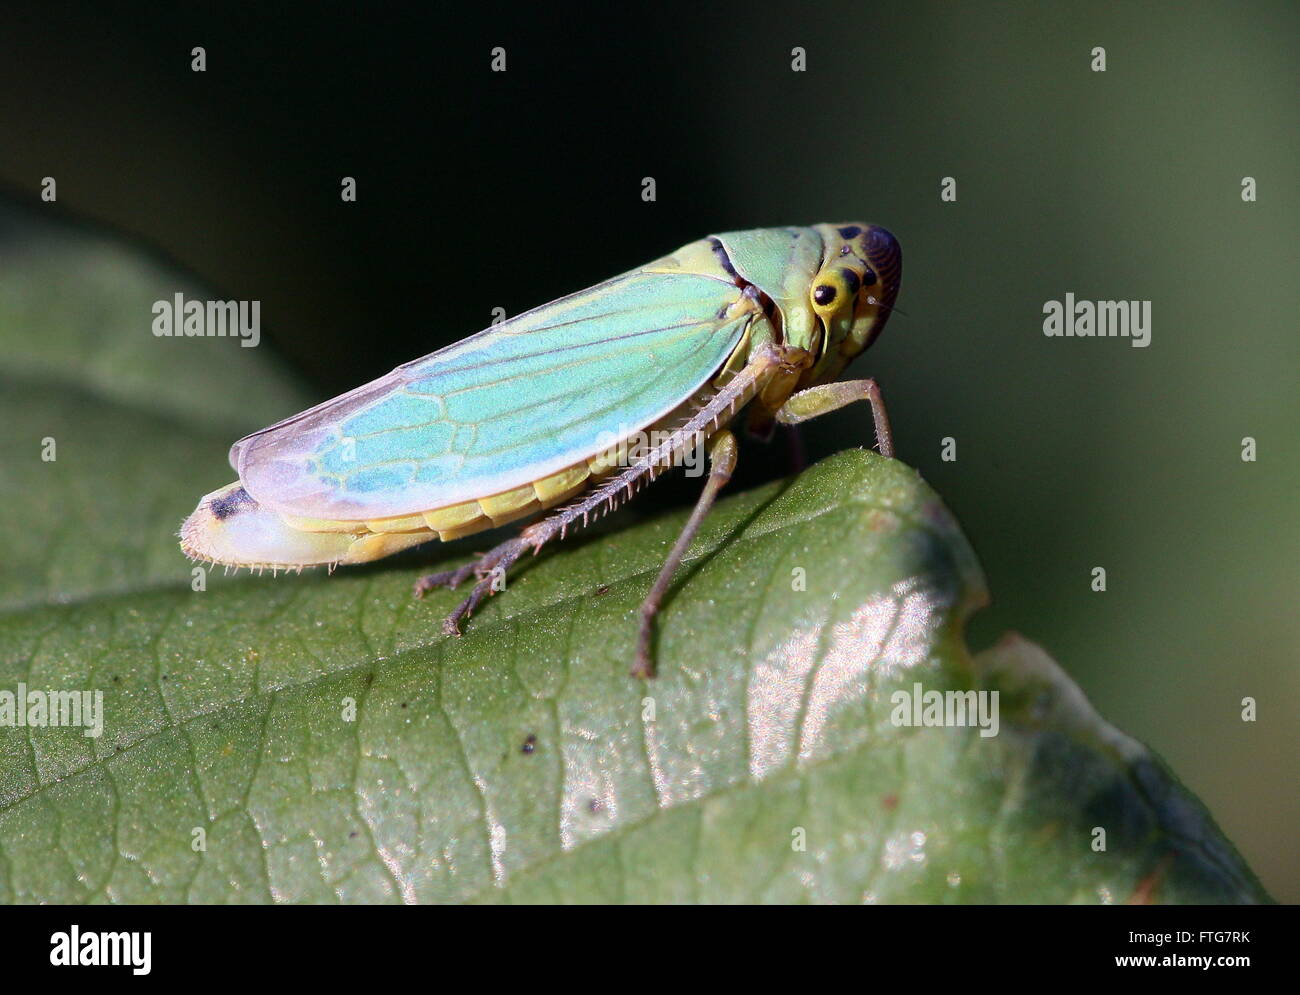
(835, 290)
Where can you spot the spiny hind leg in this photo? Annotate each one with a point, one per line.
(490, 571)
(491, 567)
(450, 579)
(829, 397)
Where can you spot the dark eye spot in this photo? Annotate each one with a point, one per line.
(868, 278)
(823, 295)
(850, 231)
(850, 281)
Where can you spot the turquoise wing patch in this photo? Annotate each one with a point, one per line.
(502, 408)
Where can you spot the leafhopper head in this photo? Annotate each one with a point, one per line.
(853, 293)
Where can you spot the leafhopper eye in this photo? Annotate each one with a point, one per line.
(833, 287)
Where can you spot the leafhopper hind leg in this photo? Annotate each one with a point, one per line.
(490, 572)
(829, 397)
(722, 462)
(491, 567)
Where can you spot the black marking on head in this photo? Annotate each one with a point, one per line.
(886, 258)
(885, 255)
(823, 294)
(223, 507)
(850, 279)
(850, 231)
(869, 278)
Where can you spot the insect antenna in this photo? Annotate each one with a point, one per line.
(878, 302)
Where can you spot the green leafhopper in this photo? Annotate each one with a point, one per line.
(565, 410)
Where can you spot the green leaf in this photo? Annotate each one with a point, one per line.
(135, 422)
(316, 738)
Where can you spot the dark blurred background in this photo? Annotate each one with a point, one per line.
(479, 189)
